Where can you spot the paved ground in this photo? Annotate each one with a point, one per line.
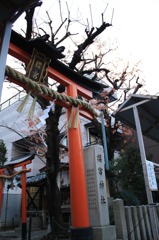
(16, 235)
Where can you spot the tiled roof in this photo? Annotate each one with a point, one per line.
(37, 179)
(34, 180)
(20, 159)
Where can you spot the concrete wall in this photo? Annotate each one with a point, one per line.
(13, 124)
(11, 212)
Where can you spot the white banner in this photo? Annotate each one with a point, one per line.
(45, 115)
(151, 176)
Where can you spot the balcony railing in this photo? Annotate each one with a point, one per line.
(12, 100)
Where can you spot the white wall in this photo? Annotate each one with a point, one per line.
(13, 124)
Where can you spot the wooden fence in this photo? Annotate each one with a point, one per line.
(133, 222)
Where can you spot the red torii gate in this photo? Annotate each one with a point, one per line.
(23, 172)
(79, 205)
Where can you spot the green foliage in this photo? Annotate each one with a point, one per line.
(129, 198)
(3, 152)
(129, 177)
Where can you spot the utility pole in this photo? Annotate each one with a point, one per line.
(4, 44)
(143, 160)
(104, 143)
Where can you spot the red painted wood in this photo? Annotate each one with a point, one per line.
(79, 203)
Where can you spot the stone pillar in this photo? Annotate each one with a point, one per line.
(97, 194)
(120, 221)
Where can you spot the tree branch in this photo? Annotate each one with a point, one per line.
(90, 39)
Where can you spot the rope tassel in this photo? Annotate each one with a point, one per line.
(32, 108)
(70, 122)
(71, 118)
(76, 118)
(22, 104)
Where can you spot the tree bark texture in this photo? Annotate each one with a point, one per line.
(52, 157)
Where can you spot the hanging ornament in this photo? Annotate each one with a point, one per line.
(36, 71)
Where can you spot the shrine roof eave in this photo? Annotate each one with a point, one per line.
(28, 46)
(11, 10)
(147, 106)
(84, 82)
(20, 160)
(95, 87)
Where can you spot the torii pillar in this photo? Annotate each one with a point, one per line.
(79, 204)
(23, 206)
(23, 201)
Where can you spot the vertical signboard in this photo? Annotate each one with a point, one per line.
(151, 176)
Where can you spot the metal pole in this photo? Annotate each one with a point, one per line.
(5, 36)
(23, 210)
(143, 160)
(105, 144)
(1, 191)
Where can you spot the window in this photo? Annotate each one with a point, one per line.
(93, 134)
(20, 147)
(64, 141)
